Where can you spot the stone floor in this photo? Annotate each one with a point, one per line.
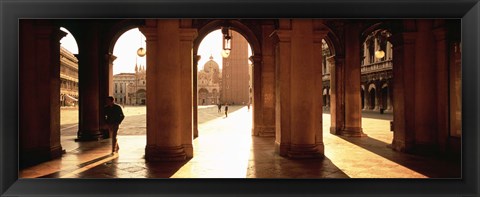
(226, 149)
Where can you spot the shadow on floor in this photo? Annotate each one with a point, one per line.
(265, 163)
(431, 166)
(116, 169)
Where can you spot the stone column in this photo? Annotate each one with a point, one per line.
(378, 94)
(390, 94)
(265, 81)
(39, 92)
(425, 88)
(442, 84)
(110, 58)
(89, 75)
(337, 105)
(318, 85)
(353, 111)
(257, 104)
(187, 36)
(164, 98)
(403, 89)
(305, 91)
(196, 58)
(299, 85)
(282, 90)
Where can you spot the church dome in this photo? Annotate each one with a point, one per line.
(211, 66)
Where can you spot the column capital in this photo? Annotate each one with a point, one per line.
(149, 31)
(197, 58)
(110, 57)
(281, 36)
(188, 34)
(255, 59)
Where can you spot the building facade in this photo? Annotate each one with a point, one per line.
(209, 81)
(376, 73)
(235, 73)
(68, 78)
(130, 88)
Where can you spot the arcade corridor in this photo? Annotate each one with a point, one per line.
(226, 149)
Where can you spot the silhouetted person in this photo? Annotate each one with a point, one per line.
(113, 117)
(248, 106)
(226, 110)
(219, 108)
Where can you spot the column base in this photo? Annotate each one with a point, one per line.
(281, 149)
(35, 156)
(195, 133)
(353, 132)
(304, 151)
(348, 132)
(335, 130)
(83, 136)
(401, 146)
(188, 148)
(162, 153)
(267, 132)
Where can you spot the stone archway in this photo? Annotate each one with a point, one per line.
(244, 29)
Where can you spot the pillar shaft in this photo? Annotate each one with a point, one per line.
(282, 100)
(264, 86)
(337, 106)
(39, 104)
(89, 85)
(353, 111)
(167, 113)
(297, 103)
(187, 35)
(195, 95)
(425, 82)
(403, 83)
(442, 91)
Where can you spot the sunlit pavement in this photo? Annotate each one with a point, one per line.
(226, 149)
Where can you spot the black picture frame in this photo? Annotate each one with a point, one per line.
(12, 11)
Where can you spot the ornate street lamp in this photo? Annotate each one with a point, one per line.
(227, 41)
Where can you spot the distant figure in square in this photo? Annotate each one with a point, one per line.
(113, 117)
(248, 106)
(226, 110)
(219, 108)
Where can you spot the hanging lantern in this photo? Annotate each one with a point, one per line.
(379, 54)
(141, 52)
(227, 42)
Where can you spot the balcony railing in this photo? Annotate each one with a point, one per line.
(376, 67)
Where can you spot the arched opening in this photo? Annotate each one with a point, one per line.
(128, 85)
(202, 96)
(372, 95)
(376, 72)
(69, 93)
(223, 94)
(327, 63)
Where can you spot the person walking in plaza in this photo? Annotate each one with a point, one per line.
(113, 117)
(226, 110)
(248, 107)
(219, 108)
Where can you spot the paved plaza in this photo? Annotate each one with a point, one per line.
(226, 149)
